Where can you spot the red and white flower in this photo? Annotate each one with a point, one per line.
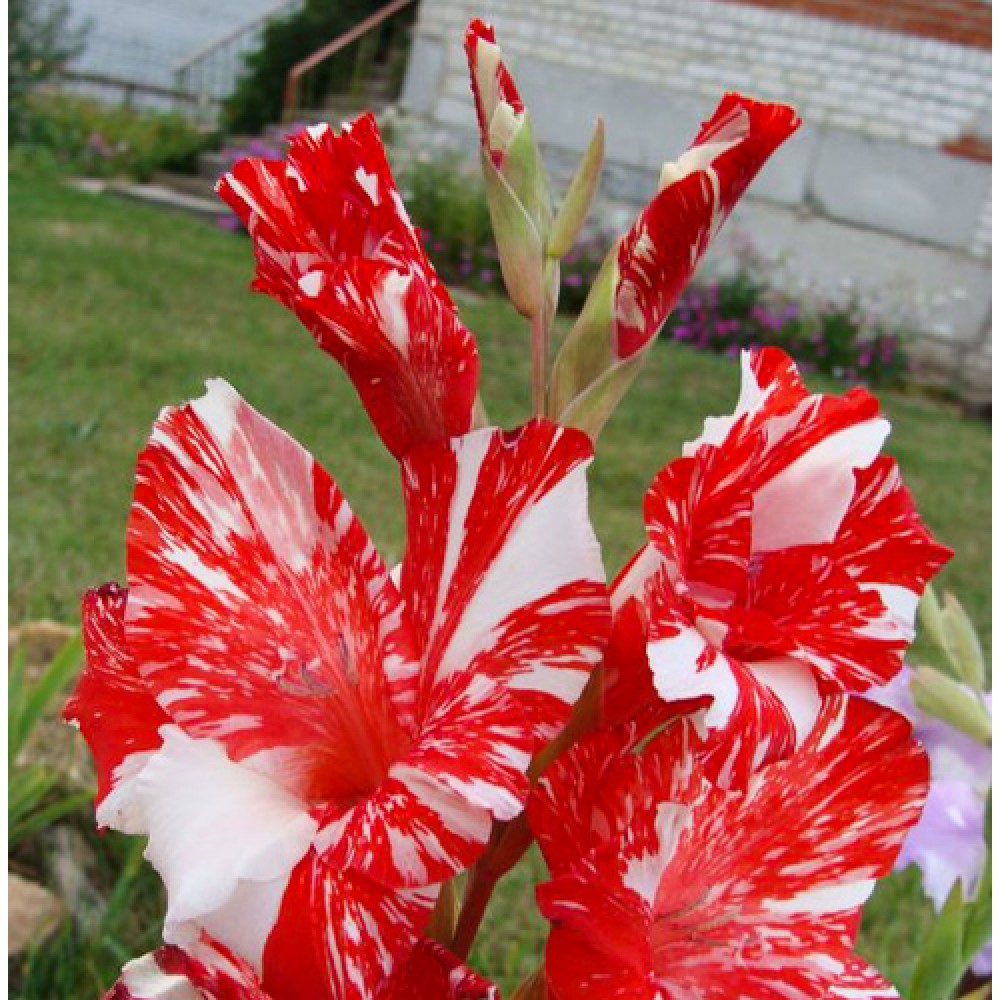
(499, 108)
(785, 560)
(666, 886)
(658, 256)
(202, 971)
(334, 244)
(309, 747)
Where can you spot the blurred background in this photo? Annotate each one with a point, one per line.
(863, 249)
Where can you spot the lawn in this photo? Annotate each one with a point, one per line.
(118, 309)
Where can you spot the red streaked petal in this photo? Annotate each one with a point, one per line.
(502, 574)
(882, 542)
(334, 244)
(659, 254)
(112, 705)
(204, 970)
(412, 362)
(260, 611)
(756, 893)
(431, 972)
(340, 936)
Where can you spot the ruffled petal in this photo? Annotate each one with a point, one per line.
(756, 893)
(203, 971)
(340, 936)
(883, 544)
(259, 610)
(659, 254)
(113, 707)
(334, 244)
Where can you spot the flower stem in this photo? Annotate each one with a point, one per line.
(539, 362)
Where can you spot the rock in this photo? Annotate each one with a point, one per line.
(33, 913)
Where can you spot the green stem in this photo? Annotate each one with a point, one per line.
(539, 362)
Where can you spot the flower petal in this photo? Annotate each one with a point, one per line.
(492, 84)
(504, 584)
(203, 971)
(113, 707)
(659, 254)
(221, 836)
(412, 362)
(340, 936)
(260, 611)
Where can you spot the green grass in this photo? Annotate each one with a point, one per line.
(117, 310)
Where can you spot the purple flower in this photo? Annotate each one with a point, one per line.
(948, 843)
(574, 280)
(486, 275)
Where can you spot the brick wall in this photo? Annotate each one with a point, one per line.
(920, 90)
(886, 189)
(965, 22)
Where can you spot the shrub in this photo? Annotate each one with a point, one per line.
(104, 141)
(40, 42)
(739, 311)
(256, 99)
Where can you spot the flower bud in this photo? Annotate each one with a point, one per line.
(946, 699)
(962, 644)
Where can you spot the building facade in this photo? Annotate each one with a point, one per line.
(883, 194)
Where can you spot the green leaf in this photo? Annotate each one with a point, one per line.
(576, 205)
(29, 701)
(586, 353)
(942, 960)
(592, 409)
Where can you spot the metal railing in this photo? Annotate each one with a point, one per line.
(358, 33)
(211, 72)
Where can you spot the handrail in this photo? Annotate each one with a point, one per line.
(332, 48)
(243, 29)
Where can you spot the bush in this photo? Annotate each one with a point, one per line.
(738, 311)
(40, 42)
(88, 137)
(257, 98)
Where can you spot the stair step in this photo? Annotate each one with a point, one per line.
(194, 185)
(164, 197)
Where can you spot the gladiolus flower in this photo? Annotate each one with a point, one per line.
(785, 560)
(334, 244)
(310, 748)
(664, 885)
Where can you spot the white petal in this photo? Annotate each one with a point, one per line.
(795, 684)
(213, 824)
(805, 503)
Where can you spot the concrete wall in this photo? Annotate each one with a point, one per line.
(865, 197)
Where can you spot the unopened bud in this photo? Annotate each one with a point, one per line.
(946, 699)
(962, 643)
